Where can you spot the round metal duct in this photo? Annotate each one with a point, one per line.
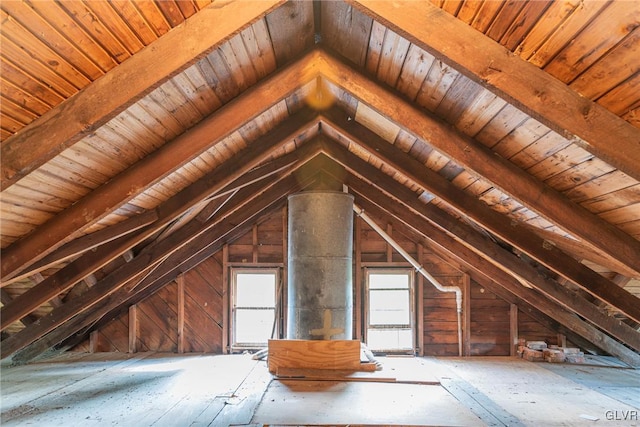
(320, 287)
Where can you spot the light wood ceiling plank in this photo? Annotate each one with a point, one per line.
(61, 127)
(529, 88)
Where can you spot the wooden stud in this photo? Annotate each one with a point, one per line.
(226, 303)
(254, 241)
(180, 282)
(466, 313)
(420, 304)
(133, 328)
(513, 329)
(93, 341)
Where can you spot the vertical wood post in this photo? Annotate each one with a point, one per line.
(225, 299)
(513, 326)
(358, 325)
(133, 328)
(93, 342)
(285, 270)
(466, 314)
(420, 304)
(180, 281)
(389, 248)
(562, 340)
(254, 241)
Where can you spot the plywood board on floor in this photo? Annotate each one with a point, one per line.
(536, 395)
(337, 403)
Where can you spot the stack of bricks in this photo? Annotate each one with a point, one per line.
(538, 351)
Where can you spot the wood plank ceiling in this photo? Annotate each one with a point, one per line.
(505, 133)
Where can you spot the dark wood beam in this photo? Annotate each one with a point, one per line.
(79, 115)
(521, 237)
(482, 265)
(482, 280)
(154, 259)
(85, 243)
(67, 225)
(404, 198)
(474, 156)
(221, 179)
(522, 84)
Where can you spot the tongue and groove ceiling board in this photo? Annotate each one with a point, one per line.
(132, 123)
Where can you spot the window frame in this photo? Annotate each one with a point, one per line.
(233, 274)
(411, 326)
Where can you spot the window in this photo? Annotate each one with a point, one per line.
(254, 304)
(389, 310)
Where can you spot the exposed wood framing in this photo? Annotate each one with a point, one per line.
(180, 281)
(80, 115)
(522, 238)
(512, 180)
(529, 88)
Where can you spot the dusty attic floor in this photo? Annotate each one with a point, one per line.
(148, 389)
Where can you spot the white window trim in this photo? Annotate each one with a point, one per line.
(234, 271)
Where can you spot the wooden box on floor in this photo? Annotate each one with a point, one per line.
(337, 355)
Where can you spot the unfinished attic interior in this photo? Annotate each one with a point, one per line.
(163, 163)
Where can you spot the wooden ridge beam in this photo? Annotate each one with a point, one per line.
(221, 179)
(76, 117)
(467, 152)
(521, 237)
(501, 258)
(522, 84)
(481, 265)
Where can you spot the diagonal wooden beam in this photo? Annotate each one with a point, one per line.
(497, 280)
(494, 253)
(86, 243)
(221, 179)
(529, 88)
(246, 206)
(474, 156)
(521, 237)
(136, 179)
(75, 118)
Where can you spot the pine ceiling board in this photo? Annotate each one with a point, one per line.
(134, 19)
(99, 35)
(603, 33)
(120, 29)
(291, 29)
(239, 63)
(374, 51)
(19, 58)
(520, 138)
(171, 12)
(522, 24)
(624, 99)
(346, 30)
(34, 88)
(417, 65)
(202, 89)
(552, 19)
(617, 199)
(166, 124)
(579, 173)
(544, 147)
(559, 162)
(612, 69)
(502, 124)
(14, 117)
(486, 14)
(623, 215)
(503, 20)
(220, 76)
(257, 42)
(632, 228)
(392, 57)
(436, 84)
(561, 35)
(483, 109)
(20, 96)
(460, 96)
(610, 182)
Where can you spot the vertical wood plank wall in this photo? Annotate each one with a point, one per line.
(203, 318)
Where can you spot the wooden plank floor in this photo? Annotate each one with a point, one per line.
(148, 389)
